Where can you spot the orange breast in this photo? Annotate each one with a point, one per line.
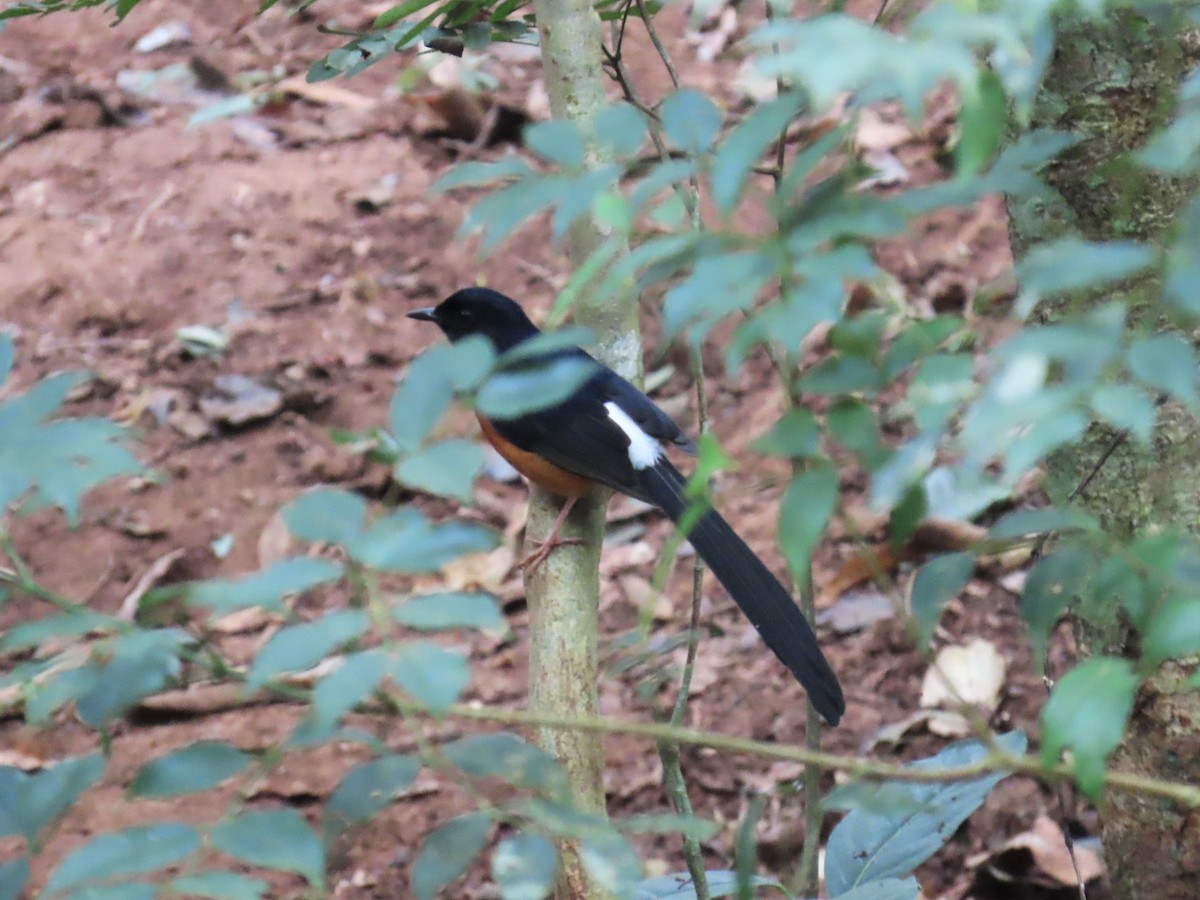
(541, 472)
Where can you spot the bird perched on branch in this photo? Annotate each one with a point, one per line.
(609, 433)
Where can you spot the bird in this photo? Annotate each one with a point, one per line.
(607, 432)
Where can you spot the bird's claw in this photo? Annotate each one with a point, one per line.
(533, 560)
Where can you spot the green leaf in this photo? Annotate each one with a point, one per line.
(366, 789)
(475, 174)
(690, 120)
(340, 691)
(868, 846)
(392, 15)
(422, 397)
(14, 878)
(504, 755)
(432, 674)
(1127, 409)
(917, 340)
(809, 502)
(557, 141)
(611, 862)
(796, 434)
(429, 386)
(513, 392)
(832, 54)
(1167, 363)
(266, 588)
(981, 122)
(621, 129)
(441, 612)
(679, 886)
(135, 850)
(274, 838)
(1051, 585)
(447, 469)
(1086, 714)
(298, 647)
(326, 515)
(720, 284)
(66, 625)
(742, 150)
(220, 886)
(447, 851)
(405, 542)
(937, 583)
(1024, 522)
(7, 356)
(142, 663)
(196, 767)
(235, 105)
(524, 866)
(1073, 264)
(841, 374)
(1182, 270)
(852, 423)
(58, 460)
(42, 699)
(1173, 149)
(1173, 631)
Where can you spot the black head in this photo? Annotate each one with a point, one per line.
(480, 311)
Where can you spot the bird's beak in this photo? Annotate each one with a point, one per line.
(423, 315)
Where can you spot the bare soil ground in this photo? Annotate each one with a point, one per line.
(119, 225)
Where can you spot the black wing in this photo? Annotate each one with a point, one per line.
(579, 435)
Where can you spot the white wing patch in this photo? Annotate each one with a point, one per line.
(644, 451)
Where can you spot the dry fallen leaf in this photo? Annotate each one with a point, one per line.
(972, 674)
(480, 571)
(152, 575)
(1038, 858)
(856, 569)
(324, 93)
(242, 621)
(856, 610)
(16, 758)
(874, 133)
(275, 542)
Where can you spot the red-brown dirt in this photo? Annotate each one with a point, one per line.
(114, 234)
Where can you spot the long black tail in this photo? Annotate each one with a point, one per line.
(765, 601)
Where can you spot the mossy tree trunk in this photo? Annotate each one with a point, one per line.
(564, 592)
(1113, 83)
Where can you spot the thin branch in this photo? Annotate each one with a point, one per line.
(659, 48)
(668, 751)
(1187, 795)
(996, 760)
(21, 577)
(1060, 795)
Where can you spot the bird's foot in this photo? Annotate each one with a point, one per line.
(544, 548)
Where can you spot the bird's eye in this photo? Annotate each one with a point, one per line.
(466, 314)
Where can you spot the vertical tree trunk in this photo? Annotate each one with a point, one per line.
(564, 592)
(1113, 83)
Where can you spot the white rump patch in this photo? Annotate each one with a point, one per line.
(644, 451)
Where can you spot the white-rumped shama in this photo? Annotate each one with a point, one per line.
(610, 433)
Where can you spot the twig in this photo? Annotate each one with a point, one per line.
(673, 778)
(21, 577)
(808, 876)
(658, 44)
(996, 761)
(1117, 440)
(164, 196)
(1060, 794)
